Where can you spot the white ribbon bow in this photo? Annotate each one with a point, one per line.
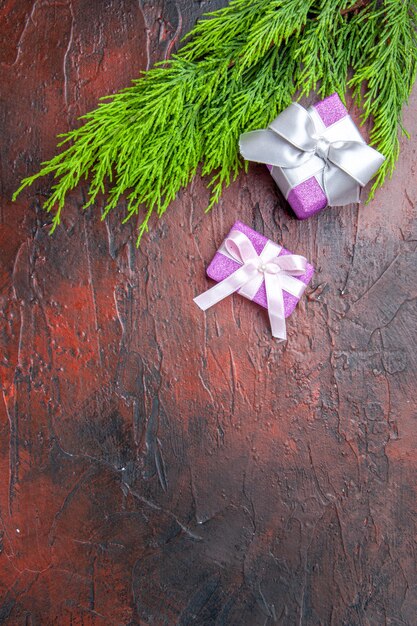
(292, 139)
(278, 272)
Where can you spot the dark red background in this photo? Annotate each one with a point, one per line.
(164, 466)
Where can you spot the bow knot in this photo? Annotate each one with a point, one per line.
(270, 268)
(322, 148)
(294, 138)
(279, 272)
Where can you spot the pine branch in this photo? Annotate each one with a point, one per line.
(388, 70)
(238, 69)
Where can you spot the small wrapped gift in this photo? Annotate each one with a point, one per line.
(316, 156)
(261, 270)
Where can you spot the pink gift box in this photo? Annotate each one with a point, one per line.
(307, 197)
(222, 266)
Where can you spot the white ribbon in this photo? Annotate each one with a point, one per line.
(293, 139)
(278, 272)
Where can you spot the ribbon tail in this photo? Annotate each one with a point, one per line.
(350, 166)
(226, 287)
(339, 187)
(276, 311)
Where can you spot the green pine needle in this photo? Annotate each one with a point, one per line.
(238, 69)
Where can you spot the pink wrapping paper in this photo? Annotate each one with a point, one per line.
(221, 267)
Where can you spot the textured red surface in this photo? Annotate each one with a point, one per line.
(162, 466)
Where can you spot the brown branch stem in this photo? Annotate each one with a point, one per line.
(355, 7)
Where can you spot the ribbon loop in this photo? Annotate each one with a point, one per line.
(278, 272)
(292, 139)
(240, 247)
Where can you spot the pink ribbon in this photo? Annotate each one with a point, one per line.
(278, 272)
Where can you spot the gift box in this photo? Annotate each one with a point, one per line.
(259, 269)
(316, 156)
